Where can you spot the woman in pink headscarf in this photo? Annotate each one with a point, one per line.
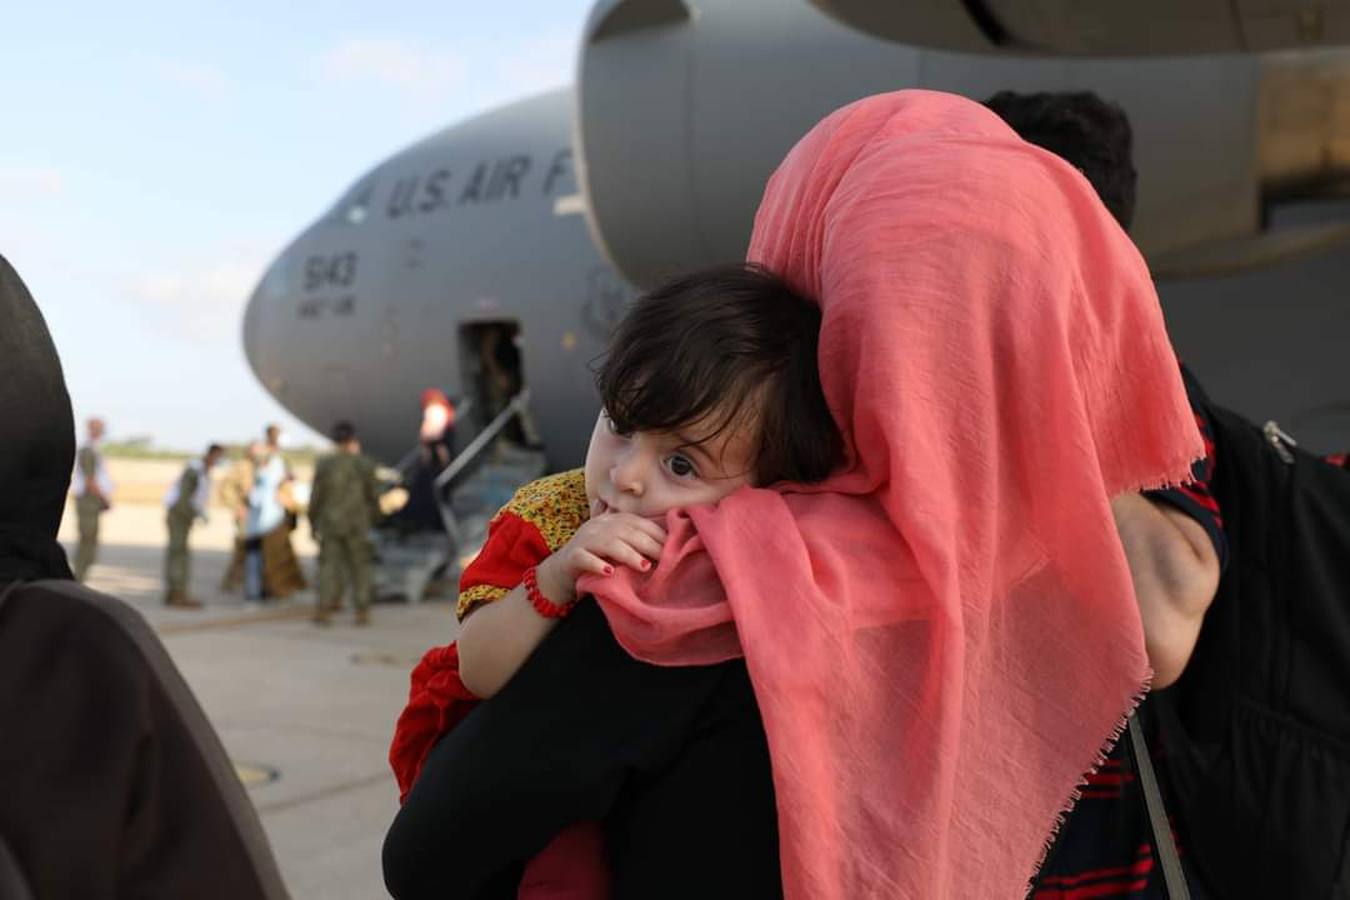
(943, 637)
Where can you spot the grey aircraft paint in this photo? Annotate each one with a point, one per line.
(656, 162)
(478, 223)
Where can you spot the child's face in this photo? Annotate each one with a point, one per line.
(649, 473)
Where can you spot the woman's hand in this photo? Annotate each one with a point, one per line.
(609, 539)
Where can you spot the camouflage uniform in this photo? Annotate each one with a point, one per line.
(88, 507)
(343, 506)
(180, 516)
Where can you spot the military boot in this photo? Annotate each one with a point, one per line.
(181, 600)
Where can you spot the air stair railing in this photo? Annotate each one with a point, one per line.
(471, 454)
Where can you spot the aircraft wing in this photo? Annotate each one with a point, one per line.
(1100, 27)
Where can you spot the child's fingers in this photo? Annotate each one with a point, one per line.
(616, 533)
(642, 543)
(621, 552)
(590, 561)
(654, 530)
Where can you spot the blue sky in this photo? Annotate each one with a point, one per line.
(156, 156)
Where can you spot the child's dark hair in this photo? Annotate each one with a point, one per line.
(710, 346)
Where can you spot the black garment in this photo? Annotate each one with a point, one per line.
(422, 513)
(673, 761)
(37, 453)
(112, 782)
(1257, 729)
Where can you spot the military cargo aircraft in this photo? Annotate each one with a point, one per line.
(516, 238)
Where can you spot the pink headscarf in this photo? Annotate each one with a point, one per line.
(943, 638)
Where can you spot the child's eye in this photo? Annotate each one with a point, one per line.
(681, 467)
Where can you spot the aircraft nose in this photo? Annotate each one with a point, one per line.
(263, 309)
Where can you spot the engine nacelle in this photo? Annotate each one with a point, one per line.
(1100, 27)
(684, 112)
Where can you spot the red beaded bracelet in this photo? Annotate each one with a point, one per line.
(542, 605)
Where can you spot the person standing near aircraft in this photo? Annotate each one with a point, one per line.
(265, 517)
(437, 432)
(436, 448)
(500, 362)
(234, 492)
(343, 506)
(185, 503)
(93, 496)
(499, 358)
(271, 570)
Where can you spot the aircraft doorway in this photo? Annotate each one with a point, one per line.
(493, 374)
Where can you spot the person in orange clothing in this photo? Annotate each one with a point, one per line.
(436, 448)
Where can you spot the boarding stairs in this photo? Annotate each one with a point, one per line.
(478, 481)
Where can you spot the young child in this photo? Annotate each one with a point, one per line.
(710, 384)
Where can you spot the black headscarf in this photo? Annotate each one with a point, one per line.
(37, 439)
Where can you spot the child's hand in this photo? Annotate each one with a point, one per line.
(607, 540)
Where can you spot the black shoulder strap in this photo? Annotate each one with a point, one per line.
(1164, 847)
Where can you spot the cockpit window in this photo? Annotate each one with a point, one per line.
(355, 207)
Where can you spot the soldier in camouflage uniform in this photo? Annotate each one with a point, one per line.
(343, 506)
(93, 491)
(185, 503)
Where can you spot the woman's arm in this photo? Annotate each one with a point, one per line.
(558, 745)
(1175, 570)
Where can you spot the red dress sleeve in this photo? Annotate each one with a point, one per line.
(541, 517)
(514, 544)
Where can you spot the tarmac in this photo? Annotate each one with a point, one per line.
(305, 712)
